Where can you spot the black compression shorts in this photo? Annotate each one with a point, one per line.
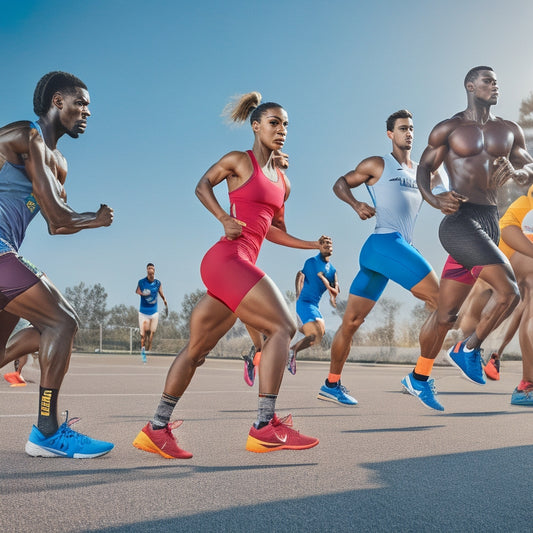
(471, 235)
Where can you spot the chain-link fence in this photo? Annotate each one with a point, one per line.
(109, 338)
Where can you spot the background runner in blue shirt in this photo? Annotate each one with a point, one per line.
(149, 289)
(316, 277)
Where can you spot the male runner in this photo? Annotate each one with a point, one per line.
(317, 276)
(32, 174)
(480, 152)
(388, 253)
(149, 288)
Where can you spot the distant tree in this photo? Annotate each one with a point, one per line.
(525, 118)
(341, 307)
(89, 302)
(290, 296)
(411, 328)
(122, 315)
(385, 335)
(187, 306)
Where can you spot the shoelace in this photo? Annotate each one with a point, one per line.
(431, 385)
(175, 424)
(285, 421)
(64, 432)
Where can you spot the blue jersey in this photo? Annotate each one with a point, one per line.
(18, 206)
(149, 301)
(313, 287)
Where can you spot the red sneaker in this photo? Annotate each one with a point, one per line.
(278, 435)
(492, 368)
(161, 441)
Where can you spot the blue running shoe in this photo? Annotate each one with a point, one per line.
(522, 397)
(143, 355)
(65, 443)
(469, 363)
(291, 364)
(425, 391)
(337, 394)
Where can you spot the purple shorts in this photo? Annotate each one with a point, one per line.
(16, 276)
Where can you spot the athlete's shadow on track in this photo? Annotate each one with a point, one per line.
(469, 492)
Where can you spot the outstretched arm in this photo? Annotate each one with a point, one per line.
(448, 202)
(278, 236)
(368, 171)
(519, 166)
(224, 169)
(162, 295)
(299, 283)
(49, 193)
(333, 290)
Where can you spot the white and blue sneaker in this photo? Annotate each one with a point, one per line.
(337, 394)
(143, 355)
(425, 391)
(468, 362)
(65, 443)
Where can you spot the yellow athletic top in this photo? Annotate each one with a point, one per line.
(514, 216)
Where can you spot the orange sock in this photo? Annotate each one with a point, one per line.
(424, 366)
(333, 378)
(257, 358)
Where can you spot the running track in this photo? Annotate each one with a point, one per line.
(388, 464)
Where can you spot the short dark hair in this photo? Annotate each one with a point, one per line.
(473, 73)
(402, 113)
(51, 83)
(150, 265)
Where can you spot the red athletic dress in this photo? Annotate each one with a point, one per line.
(228, 269)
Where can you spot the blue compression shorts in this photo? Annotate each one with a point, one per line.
(387, 256)
(307, 311)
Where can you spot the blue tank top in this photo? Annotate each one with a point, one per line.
(313, 287)
(396, 198)
(18, 206)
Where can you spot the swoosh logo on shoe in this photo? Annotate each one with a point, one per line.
(282, 438)
(53, 450)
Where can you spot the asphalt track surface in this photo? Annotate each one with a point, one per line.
(388, 464)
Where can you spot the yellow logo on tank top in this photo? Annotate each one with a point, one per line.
(31, 203)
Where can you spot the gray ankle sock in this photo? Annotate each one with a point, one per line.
(266, 408)
(164, 411)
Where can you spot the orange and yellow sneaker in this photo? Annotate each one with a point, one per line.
(161, 441)
(278, 435)
(492, 368)
(12, 377)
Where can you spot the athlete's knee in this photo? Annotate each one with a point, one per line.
(67, 324)
(199, 360)
(287, 328)
(350, 324)
(508, 300)
(446, 318)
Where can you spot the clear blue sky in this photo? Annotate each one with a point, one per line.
(159, 74)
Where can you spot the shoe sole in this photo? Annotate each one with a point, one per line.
(34, 450)
(407, 390)
(257, 446)
(449, 358)
(334, 400)
(247, 380)
(143, 442)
